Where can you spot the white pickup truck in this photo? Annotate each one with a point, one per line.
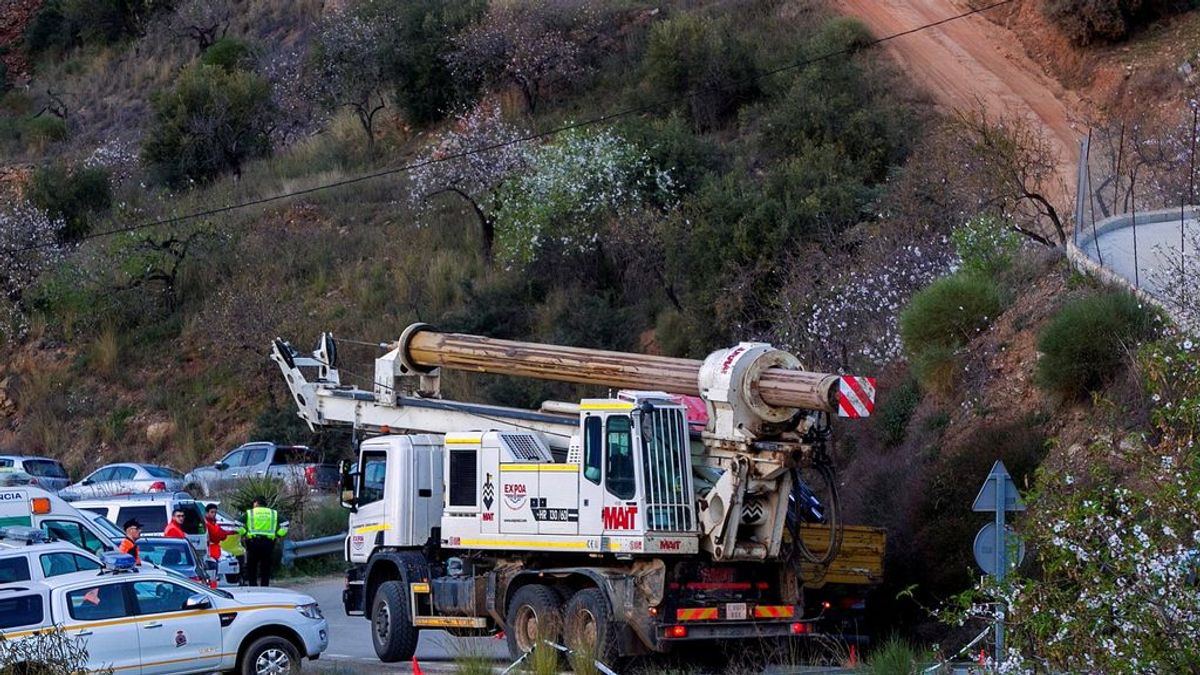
(153, 622)
(296, 465)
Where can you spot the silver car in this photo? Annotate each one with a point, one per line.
(44, 472)
(125, 479)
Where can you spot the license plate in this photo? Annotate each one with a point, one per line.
(735, 611)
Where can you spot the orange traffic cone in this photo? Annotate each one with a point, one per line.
(416, 667)
(852, 660)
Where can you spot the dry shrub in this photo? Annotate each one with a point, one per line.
(106, 352)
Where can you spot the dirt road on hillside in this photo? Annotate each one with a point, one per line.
(972, 60)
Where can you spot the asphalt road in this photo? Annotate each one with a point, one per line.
(351, 653)
(350, 649)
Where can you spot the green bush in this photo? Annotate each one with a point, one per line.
(1088, 21)
(49, 30)
(228, 54)
(73, 195)
(949, 312)
(895, 409)
(1085, 344)
(211, 122)
(986, 244)
(416, 60)
(703, 56)
(44, 129)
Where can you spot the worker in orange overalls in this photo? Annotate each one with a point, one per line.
(216, 534)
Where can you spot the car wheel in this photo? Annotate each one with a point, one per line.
(271, 656)
(392, 631)
(534, 614)
(589, 630)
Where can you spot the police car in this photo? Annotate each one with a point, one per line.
(177, 626)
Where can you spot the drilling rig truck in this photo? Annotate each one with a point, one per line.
(618, 525)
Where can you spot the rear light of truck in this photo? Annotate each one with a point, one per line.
(677, 631)
(158, 486)
(310, 476)
(801, 628)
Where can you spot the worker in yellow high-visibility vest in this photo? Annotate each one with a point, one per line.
(258, 536)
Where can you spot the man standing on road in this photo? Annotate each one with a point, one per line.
(259, 535)
(175, 527)
(216, 534)
(133, 530)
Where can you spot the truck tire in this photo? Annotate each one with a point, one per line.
(392, 630)
(534, 614)
(589, 629)
(270, 655)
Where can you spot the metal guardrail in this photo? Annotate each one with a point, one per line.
(308, 548)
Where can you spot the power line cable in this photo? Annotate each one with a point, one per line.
(607, 117)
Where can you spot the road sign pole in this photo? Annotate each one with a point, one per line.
(1001, 560)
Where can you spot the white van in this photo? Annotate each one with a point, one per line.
(29, 506)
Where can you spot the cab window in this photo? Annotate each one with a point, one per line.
(193, 518)
(54, 564)
(619, 470)
(66, 530)
(235, 458)
(156, 597)
(152, 518)
(23, 610)
(255, 456)
(593, 448)
(14, 569)
(374, 469)
(96, 603)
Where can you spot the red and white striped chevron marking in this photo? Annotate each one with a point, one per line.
(856, 396)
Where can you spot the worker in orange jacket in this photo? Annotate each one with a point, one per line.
(216, 533)
(133, 530)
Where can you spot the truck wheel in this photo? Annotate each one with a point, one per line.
(392, 630)
(589, 629)
(271, 655)
(534, 614)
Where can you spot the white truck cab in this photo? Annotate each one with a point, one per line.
(150, 621)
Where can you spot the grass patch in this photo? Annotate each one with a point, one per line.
(1086, 344)
(895, 657)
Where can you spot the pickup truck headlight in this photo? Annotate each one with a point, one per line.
(312, 610)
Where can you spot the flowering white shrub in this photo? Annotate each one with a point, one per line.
(28, 247)
(855, 314)
(475, 176)
(1116, 536)
(569, 186)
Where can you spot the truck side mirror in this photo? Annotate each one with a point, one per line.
(349, 476)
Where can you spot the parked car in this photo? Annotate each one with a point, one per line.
(296, 465)
(125, 479)
(44, 472)
(176, 555)
(29, 554)
(150, 620)
(154, 511)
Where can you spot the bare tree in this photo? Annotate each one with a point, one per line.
(473, 177)
(204, 21)
(1010, 167)
(351, 58)
(524, 44)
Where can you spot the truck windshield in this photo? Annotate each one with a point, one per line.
(666, 468)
